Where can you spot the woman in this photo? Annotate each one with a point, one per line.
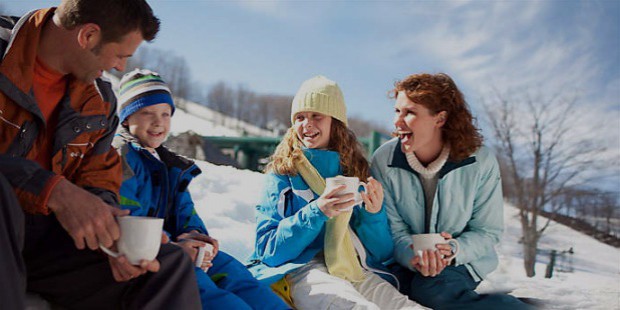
(438, 178)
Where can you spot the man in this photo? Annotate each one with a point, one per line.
(57, 119)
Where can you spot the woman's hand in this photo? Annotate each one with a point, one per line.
(445, 250)
(332, 205)
(433, 263)
(373, 197)
(430, 264)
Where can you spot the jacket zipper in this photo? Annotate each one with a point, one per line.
(63, 162)
(361, 252)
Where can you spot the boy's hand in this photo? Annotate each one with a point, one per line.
(201, 238)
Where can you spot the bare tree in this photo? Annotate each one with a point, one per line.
(542, 152)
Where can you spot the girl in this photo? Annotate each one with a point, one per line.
(304, 243)
(439, 178)
(155, 183)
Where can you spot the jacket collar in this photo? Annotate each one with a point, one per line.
(399, 160)
(124, 139)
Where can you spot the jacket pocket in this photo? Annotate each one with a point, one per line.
(72, 155)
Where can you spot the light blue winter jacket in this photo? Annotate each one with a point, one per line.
(291, 227)
(468, 204)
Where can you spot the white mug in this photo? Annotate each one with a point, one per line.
(352, 187)
(140, 238)
(202, 251)
(423, 242)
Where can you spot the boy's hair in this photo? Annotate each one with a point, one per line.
(341, 140)
(115, 17)
(438, 92)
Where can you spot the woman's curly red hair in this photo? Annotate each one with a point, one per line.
(438, 92)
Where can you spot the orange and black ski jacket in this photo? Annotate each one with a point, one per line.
(87, 121)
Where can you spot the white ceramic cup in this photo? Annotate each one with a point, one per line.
(202, 251)
(352, 187)
(140, 238)
(423, 242)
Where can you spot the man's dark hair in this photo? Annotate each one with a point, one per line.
(115, 17)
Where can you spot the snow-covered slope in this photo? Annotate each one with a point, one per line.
(225, 198)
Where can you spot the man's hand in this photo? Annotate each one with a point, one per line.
(123, 271)
(87, 218)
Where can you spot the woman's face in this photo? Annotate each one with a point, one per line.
(419, 131)
(313, 129)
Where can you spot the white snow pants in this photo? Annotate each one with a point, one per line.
(313, 288)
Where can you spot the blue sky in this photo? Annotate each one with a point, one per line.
(564, 46)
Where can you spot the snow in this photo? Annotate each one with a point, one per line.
(225, 198)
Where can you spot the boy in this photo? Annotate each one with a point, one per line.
(155, 183)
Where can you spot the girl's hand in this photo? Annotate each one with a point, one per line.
(373, 197)
(332, 205)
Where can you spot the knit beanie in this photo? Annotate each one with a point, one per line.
(322, 95)
(142, 88)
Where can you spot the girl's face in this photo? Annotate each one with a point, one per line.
(419, 131)
(313, 129)
(150, 124)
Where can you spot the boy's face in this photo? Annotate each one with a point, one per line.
(313, 129)
(150, 125)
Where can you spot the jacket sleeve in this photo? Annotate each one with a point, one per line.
(280, 239)
(187, 217)
(33, 185)
(401, 234)
(484, 229)
(100, 171)
(374, 232)
(133, 195)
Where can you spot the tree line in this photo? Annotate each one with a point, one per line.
(270, 111)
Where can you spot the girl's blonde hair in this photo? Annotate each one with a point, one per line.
(341, 140)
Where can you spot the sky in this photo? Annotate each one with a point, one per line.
(565, 47)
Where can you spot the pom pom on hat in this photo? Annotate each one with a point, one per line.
(142, 88)
(322, 95)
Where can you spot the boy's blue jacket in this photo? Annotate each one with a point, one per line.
(158, 188)
(291, 227)
(468, 204)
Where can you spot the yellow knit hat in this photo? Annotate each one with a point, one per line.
(322, 95)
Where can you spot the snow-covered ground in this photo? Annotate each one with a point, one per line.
(225, 198)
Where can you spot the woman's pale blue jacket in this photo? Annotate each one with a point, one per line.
(468, 204)
(291, 227)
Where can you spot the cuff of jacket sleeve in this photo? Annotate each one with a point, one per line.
(42, 208)
(314, 209)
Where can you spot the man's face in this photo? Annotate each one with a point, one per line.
(150, 124)
(106, 56)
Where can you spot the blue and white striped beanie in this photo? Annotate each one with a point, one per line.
(142, 88)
